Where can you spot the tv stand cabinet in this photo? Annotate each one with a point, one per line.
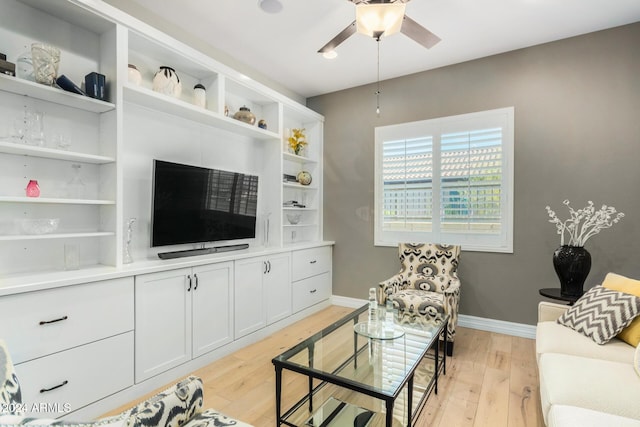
(115, 141)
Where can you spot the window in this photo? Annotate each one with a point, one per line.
(447, 180)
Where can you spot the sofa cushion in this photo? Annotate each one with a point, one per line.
(636, 361)
(601, 313)
(571, 416)
(600, 385)
(552, 337)
(616, 282)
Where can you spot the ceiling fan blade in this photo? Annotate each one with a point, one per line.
(418, 33)
(342, 36)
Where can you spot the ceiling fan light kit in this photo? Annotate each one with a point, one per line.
(270, 6)
(378, 19)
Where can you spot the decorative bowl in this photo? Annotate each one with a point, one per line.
(293, 218)
(38, 225)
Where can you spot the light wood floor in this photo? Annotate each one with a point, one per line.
(492, 380)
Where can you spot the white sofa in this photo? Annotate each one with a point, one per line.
(584, 384)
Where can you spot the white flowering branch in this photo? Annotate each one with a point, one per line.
(584, 223)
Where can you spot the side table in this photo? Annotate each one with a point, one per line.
(554, 293)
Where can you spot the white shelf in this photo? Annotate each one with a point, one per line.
(299, 225)
(299, 186)
(175, 107)
(52, 94)
(44, 200)
(290, 208)
(298, 159)
(51, 153)
(17, 237)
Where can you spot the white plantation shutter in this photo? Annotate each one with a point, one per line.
(447, 180)
(408, 192)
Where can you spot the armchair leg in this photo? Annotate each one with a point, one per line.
(449, 348)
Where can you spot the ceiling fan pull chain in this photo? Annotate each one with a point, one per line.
(378, 88)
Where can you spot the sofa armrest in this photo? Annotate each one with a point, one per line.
(173, 407)
(549, 311)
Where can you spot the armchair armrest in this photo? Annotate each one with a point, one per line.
(389, 286)
(550, 311)
(173, 407)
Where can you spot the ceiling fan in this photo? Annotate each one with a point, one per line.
(378, 18)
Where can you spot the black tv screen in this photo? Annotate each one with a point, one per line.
(193, 204)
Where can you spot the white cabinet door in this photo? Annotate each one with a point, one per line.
(277, 288)
(163, 321)
(212, 301)
(249, 296)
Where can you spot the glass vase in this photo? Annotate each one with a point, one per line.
(45, 59)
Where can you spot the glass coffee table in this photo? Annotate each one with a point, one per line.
(358, 375)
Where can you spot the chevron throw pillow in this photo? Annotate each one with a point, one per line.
(601, 313)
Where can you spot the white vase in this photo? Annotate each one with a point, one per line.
(166, 81)
(200, 96)
(134, 75)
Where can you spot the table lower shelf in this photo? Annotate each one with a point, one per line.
(337, 413)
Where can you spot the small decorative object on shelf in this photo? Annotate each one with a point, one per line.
(65, 83)
(24, 66)
(297, 140)
(134, 75)
(293, 218)
(166, 81)
(71, 256)
(94, 85)
(200, 96)
(226, 111)
(126, 255)
(571, 261)
(304, 177)
(33, 190)
(262, 124)
(76, 187)
(245, 115)
(45, 59)
(35, 226)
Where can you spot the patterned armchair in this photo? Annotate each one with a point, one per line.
(178, 406)
(427, 286)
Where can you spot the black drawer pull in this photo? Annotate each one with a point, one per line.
(313, 291)
(44, 390)
(313, 262)
(46, 322)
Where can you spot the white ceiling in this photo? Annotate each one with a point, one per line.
(283, 46)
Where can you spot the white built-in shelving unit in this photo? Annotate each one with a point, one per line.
(115, 141)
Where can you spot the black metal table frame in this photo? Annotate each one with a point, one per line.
(332, 378)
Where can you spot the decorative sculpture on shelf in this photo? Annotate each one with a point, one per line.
(126, 257)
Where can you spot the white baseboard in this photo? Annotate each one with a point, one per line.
(473, 322)
(499, 326)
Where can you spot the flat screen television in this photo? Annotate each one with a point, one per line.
(194, 204)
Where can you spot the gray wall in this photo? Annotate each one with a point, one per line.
(577, 130)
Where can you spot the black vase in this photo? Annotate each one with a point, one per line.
(572, 265)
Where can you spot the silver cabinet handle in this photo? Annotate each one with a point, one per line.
(189, 288)
(313, 291)
(46, 322)
(313, 262)
(196, 287)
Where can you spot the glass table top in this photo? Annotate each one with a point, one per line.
(382, 365)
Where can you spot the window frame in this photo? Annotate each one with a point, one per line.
(435, 128)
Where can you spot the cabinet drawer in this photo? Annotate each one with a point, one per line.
(310, 262)
(43, 322)
(310, 291)
(71, 379)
